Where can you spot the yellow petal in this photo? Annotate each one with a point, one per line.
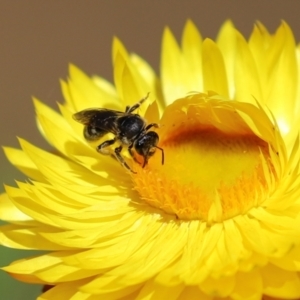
(84, 93)
(148, 74)
(283, 77)
(118, 49)
(281, 284)
(172, 70)
(226, 41)
(21, 160)
(63, 291)
(219, 287)
(192, 57)
(27, 238)
(194, 293)
(131, 86)
(248, 286)
(9, 212)
(214, 74)
(246, 74)
(26, 205)
(259, 43)
(152, 291)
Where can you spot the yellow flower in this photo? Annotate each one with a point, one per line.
(219, 219)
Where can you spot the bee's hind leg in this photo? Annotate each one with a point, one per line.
(130, 109)
(101, 147)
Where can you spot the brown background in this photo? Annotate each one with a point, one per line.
(39, 38)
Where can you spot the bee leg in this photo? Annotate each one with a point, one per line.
(132, 154)
(121, 159)
(101, 147)
(130, 109)
(151, 125)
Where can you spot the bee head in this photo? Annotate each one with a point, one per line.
(146, 146)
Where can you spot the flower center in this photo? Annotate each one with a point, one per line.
(208, 174)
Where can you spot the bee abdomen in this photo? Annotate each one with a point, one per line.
(92, 133)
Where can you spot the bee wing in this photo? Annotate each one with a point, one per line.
(85, 116)
(96, 116)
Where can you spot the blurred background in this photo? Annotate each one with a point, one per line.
(38, 39)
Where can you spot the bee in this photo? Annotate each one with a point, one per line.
(129, 128)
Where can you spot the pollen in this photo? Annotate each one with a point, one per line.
(208, 174)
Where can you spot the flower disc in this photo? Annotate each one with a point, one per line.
(210, 173)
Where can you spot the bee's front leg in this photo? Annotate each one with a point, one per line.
(121, 159)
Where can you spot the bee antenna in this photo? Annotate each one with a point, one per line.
(162, 154)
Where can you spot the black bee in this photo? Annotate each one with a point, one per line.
(129, 129)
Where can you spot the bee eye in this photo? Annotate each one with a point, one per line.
(151, 151)
(92, 133)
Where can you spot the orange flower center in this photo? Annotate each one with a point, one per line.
(208, 174)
